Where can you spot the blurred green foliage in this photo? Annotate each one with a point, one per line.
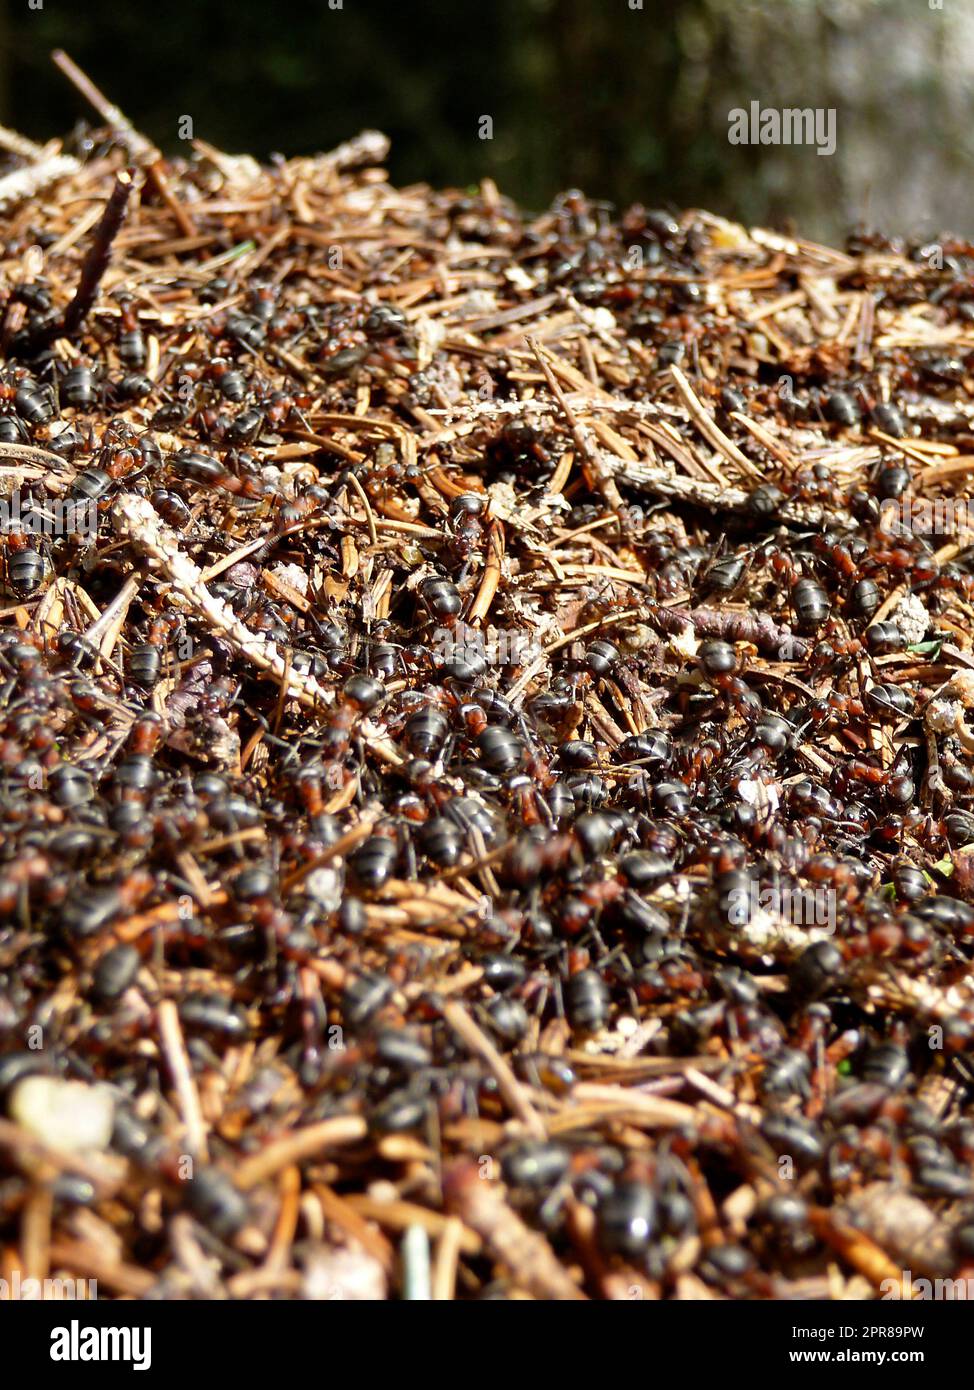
(580, 91)
(626, 103)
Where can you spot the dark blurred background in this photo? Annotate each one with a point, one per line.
(627, 102)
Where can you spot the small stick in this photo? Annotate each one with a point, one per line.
(174, 1048)
(446, 1260)
(481, 1046)
(525, 678)
(524, 1252)
(282, 694)
(652, 1110)
(559, 478)
(298, 1145)
(399, 1215)
(251, 1282)
(486, 874)
(601, 474)
(609, 620)
(888, 604)
(34, 452)
(25, 183)
(492, 575)
(15, 143)
(127, 1279)
(466, 868)
(142, 149)
(860, 1251)
(139, 522)
(709, 429)
(110, 114)
(718, 498)
(98, 257)
(157, 174)
(339, 1211)
(368, 147)
(134, 927)
(369, 515)
(415, 1251)
(764, 437)
(35, 1229)
(104, 631)
(30, 1153)
(287, 1220)
(228, 561)
(359, 832)
(191, 1258)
